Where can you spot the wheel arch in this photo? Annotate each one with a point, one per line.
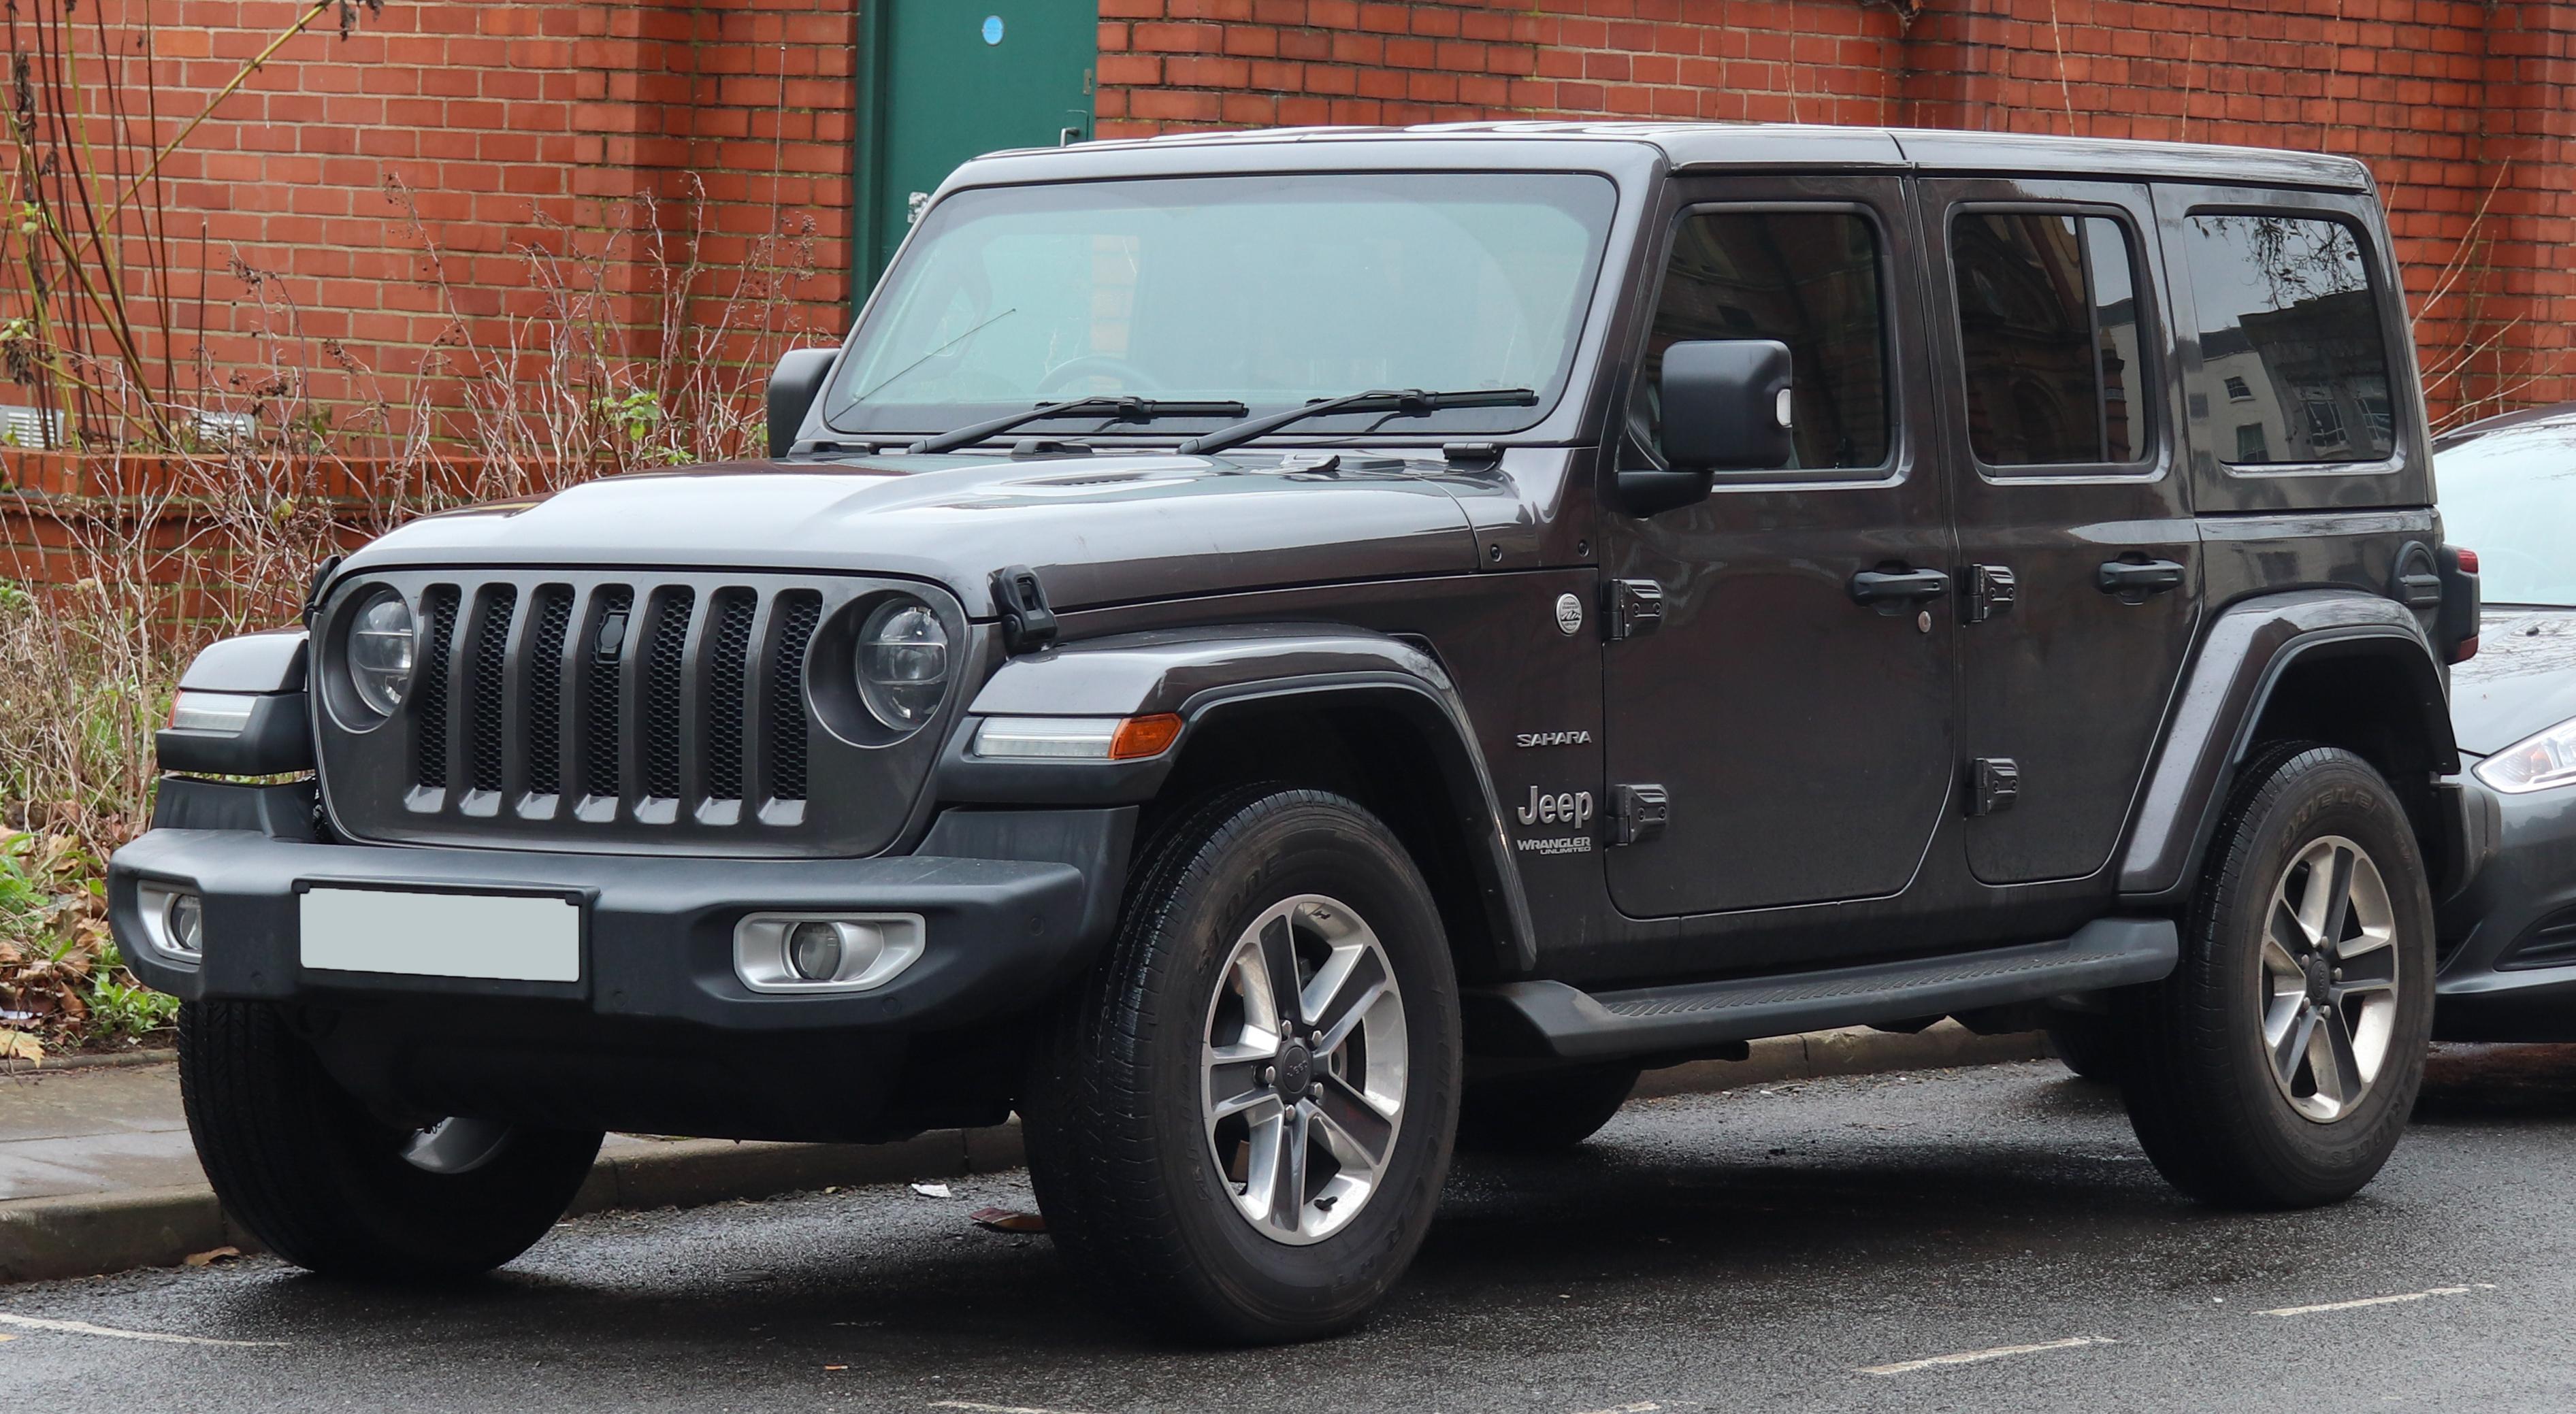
(1366, 714)
(2342, 668)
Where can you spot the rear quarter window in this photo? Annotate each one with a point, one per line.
(2294, 365)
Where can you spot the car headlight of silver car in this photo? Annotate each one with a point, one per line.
(2536, 762)
(902, 663)
(384, 640)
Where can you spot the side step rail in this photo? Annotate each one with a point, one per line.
(1553, 1019)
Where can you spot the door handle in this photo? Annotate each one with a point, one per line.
(2133, 581)
(1906, 586)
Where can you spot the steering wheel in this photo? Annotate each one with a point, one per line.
(1131, 378)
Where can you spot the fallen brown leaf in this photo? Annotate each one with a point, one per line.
(213, 1255)
(1007, 1220)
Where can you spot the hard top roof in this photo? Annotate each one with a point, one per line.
(1716, 146)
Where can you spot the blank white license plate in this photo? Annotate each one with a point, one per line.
(513, 938)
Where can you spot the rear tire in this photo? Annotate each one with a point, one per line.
(1547, 1113)
(2089, 1046)
(325, 1184)
(2276, 1067)
(1168, 1089)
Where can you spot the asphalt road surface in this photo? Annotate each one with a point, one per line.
(1968, 1240)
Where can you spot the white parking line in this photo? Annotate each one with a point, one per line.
(2398, 1300)
(40, 1323)
(1972, 1357)
(1643, 1406)
(996, 1408)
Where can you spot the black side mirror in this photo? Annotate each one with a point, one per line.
(792, 391)
(1725, 408)
(1726, 405)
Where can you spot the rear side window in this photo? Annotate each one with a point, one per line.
(2294, 357)
(2048, 333)
(1809, 279)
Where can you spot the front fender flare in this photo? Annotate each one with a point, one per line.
(2242, 659)
(1201, 674)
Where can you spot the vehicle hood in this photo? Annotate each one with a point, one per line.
(1097, 529)
(2523, 679)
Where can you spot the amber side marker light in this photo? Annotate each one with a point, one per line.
(1076, 738)
(1140, 737)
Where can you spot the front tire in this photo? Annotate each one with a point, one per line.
(325, 1184)
(2276, 1067)
(1242, 1118)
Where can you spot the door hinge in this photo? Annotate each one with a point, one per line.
(1028, 625)
(1991, 591)
(1634, 609)
(1994, 783)
(1638, 813)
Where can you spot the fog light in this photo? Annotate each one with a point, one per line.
(186, 918)
(814, 951)
(809, 952)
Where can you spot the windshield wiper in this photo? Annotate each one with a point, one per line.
(1403, 402)
(1116, 409)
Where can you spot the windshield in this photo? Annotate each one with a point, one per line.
(2511, 496)
(1268, 291)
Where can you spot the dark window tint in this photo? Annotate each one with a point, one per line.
(2290, 330)
(1807, 279)
(2048, 330)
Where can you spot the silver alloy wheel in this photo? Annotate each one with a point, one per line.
(1303, 1069)
(455, 1145)
(2330, 978)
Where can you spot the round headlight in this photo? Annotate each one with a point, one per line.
(383, 640)
(902, 663)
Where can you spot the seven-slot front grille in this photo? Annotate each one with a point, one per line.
(651, 704)
(628, 710)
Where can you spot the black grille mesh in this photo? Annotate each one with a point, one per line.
(2551, 942)
(728, 672)
(491, 658)
(797, 616)
(662, 670)
(430, 707)
(601, 736)
(545, 688)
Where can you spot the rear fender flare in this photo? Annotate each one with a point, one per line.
(2243, 657)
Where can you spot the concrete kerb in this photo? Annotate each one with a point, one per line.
(48, 1239)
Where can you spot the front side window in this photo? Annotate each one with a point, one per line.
(2290, 330)
(1809, 279)
(1265, 291)
(2048, 335)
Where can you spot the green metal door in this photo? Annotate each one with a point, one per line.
(941, 81)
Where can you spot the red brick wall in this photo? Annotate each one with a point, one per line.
(501, 128)
(2463, 110)
(542, 124)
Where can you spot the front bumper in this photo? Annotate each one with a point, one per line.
(1001, 933)
(2500, 980)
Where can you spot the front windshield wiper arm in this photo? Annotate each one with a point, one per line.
(1115, 408)
(1403, 402)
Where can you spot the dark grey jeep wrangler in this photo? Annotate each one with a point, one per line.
(1272, 655)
